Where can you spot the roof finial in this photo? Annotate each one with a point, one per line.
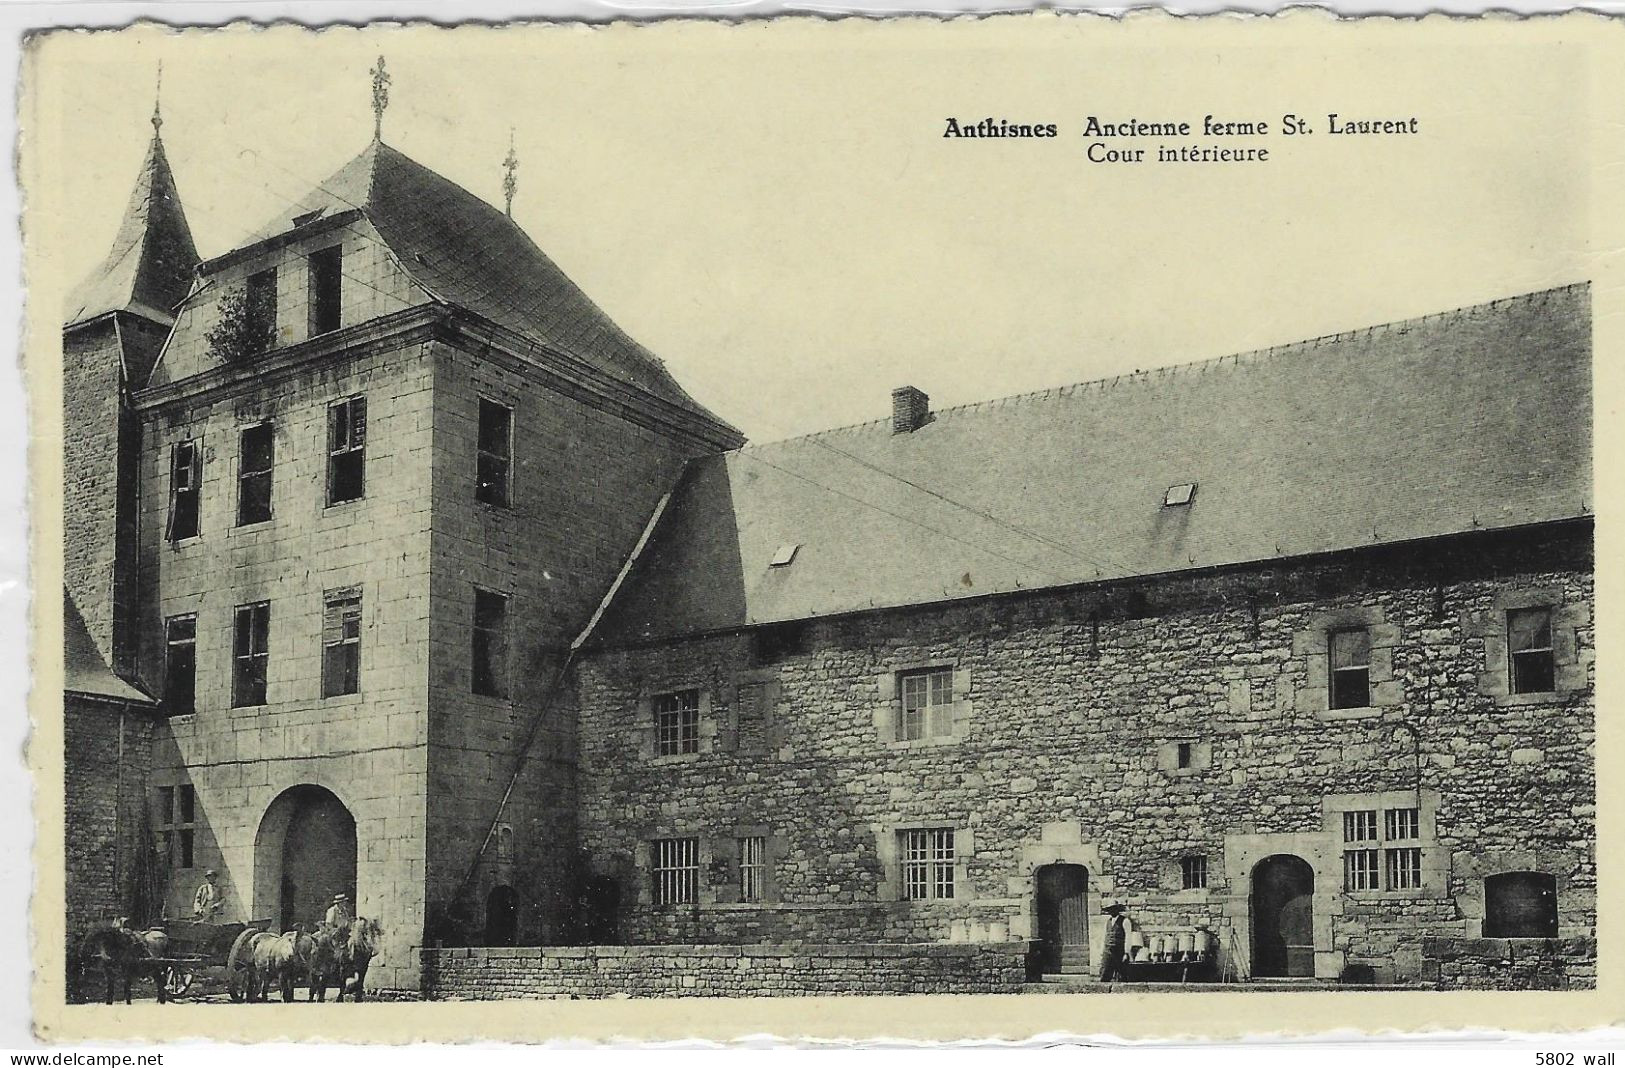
(158, 100)
(510, 182)
(380, 98)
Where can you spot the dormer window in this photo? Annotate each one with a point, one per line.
(1179, 495)
(785, 555)
(308, 217)
(326, 289)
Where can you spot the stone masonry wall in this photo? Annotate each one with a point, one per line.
(1511, 963)
(584, 483)
(102, 818)
(370, 748)
(723, 971)
(1068, 706)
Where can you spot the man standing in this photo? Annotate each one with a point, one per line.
(338, 914)
(208, 901)
(1116, 937)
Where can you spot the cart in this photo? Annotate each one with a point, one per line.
(215, 950)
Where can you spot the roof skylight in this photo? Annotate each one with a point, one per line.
(1178, 495)
(786, 553)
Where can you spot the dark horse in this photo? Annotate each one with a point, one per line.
(353, 948)
(122, 955)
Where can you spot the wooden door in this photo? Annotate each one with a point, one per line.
(1063, 917)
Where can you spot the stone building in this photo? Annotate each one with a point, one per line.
(451, 599)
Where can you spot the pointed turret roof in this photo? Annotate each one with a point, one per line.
(149, 269)
(466, 252)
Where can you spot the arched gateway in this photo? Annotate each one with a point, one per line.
(304, 854)
(1283, 908)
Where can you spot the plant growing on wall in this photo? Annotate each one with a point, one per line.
(243, 329)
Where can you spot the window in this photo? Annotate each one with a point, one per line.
(676, 871)
(1183, 755)
(752, 867)
(256, 455)
(177, 825)
(1360, 850)
(927, 704)
(1398, 848)
(1529, 648)
(250, 651)
(341, 643)
(928, 863)
(1520, 904)
(326, 289)
(1193, 873)
(347, 450)
(1350, 668)
(785, 555)
(261, 301)
(677, 723)
(493, 465)
(1178, 495)
(185, 487)
(180, 664)
(490, 644)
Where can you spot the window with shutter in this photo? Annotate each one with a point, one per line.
(341, 643)
(185, 489)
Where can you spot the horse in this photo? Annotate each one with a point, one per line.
(314, 957)
(123, 954)
(271, 958)
(354, 946)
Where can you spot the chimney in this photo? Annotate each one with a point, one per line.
(910, 410)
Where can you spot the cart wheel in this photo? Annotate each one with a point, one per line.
(177, 980)
(238, 972)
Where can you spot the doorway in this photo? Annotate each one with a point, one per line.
(1283, 897)
(501, 916)
(304, 854)
(1063, 917)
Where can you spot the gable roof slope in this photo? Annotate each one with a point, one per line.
(465, 252)
(1469, 420)
(85, 672)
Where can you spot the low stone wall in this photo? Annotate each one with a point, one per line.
(723, 971)
(1511, 963)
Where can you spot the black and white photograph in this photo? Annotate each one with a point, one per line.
(1011, 514)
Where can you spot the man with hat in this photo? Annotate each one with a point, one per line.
(208, 901)
(1116, 937)
(338, 914)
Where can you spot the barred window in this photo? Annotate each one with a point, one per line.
(677, 723)
(347, 450)
(752, 867)
(180, 665)
(341, 643)
(1529, 648)
(1193, 872)
(1350, 668)
(1404, 868)
(250, 654)
(185, 490)
(495, 454)
(256, 457)
(177, 825)
(927, 704)
(1360, 869)
(927, 863)
(676, 871)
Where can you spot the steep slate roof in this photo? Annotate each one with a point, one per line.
(84, 670)
(150, 266)
(1473, 419)
(465, 252)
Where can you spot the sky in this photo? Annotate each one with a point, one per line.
(777, 215)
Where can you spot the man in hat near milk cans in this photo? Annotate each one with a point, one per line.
(338, 914)
(1116, 937)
